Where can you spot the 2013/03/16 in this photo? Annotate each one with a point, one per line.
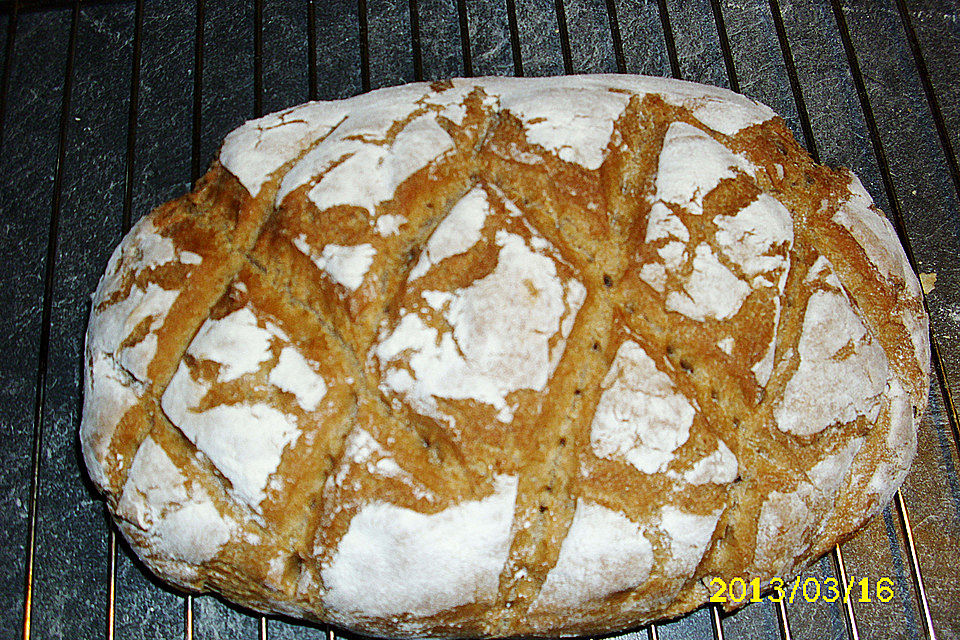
(739, 591)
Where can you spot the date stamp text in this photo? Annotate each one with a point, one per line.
(739, 591)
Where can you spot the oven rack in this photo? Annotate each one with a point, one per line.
(109, 108)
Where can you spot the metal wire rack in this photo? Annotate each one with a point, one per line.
(95, 102)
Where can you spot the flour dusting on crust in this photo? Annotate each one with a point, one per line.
(834, 346)
(179, 518)
(396, 561)
(604, 552)
(501, 338)
(641, 417)
(503, 357)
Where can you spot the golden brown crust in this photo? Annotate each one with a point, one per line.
(503, 357)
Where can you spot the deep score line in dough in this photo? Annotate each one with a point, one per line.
(500, 357)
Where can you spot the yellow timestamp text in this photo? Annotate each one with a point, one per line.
(739, 591)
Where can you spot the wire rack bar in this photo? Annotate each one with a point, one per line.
(312, 49)
(930, 94)
(45, 318)
(717, 622)
(314, 91)
(940, 125)
(197, 92)
(782, 621)
(900, 227)
(258, 58)
(194, 176)
(112, 586)
(132, 114)
(564, 37)
(946, 391)
(188, 618)
(735, 86)
(915, 563)
(841, 568)
(125, 224)
(258, 111)
(464, 22)
(364, 45)
(668, 39)
(794, 79)
(514, 38)
(951, 158)
(415, 41)
(810, 141)
(725, 45)
(874, 131)
(615, 36)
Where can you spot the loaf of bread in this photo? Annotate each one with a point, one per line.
(501, 357)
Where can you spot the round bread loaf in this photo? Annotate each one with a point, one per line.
(503, 357)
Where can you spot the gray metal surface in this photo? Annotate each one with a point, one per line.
(109, 109)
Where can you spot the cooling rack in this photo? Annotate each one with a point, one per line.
(110, 108)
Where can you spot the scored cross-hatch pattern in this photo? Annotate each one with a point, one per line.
(518, 64)
(810, 144)
(264, 237)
